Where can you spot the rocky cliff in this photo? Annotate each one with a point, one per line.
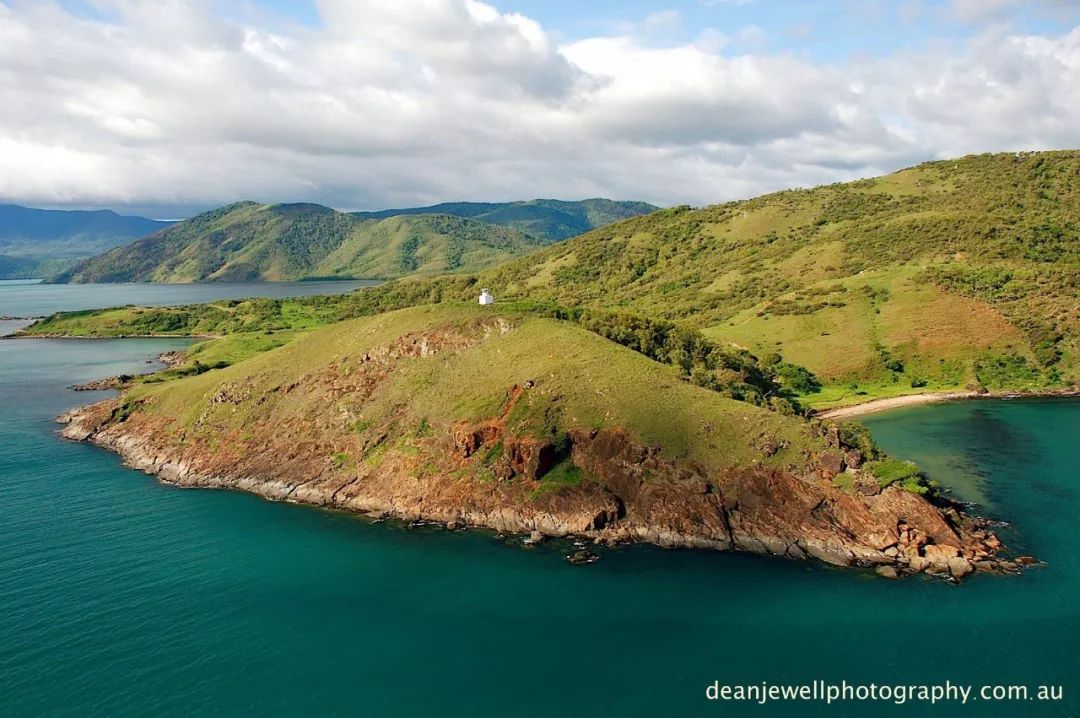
(355, 430)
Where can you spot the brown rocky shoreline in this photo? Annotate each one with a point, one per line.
(633, 495)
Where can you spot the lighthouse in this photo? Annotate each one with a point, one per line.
(486, 298)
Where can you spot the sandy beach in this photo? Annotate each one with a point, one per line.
(895, 402)
(931, 397)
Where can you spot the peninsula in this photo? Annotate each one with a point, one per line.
(510, 421)
(652, 380)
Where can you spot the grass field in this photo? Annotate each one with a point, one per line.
(578, 380)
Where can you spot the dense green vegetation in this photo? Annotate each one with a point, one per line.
(248, 241)
(19, 267)
(254, 315)
(933, 277)
(896, 471)
(951, 275)
(548, 219)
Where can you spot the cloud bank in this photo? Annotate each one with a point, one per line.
(415, 101)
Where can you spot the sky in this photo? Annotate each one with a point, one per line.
(168, 107)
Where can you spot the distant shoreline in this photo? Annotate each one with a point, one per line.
(119, 336)
(932, 397)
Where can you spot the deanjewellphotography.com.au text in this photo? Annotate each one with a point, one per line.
(829, 692)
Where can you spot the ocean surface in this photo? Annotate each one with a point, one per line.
(30, 298)
(123, 597)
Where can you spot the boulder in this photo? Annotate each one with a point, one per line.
(832, 462)
(940, 554)
(867, 486)
(918, 563)
(582, 557)
(529, 457)
(960, 567)
(887, 572)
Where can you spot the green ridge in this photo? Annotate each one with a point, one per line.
(547, 218)
(247, 241)
(959, 274)
(577, 380)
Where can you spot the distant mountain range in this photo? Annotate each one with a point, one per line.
(248, 241)
(34, 242)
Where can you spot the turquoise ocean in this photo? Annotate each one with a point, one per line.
(123, 597)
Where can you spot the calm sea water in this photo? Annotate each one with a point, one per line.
(122, 597)
(30, 298)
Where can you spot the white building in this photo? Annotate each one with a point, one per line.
(485, 297)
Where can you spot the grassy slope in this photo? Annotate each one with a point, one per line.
(248, 241)
(962, 271)
(948, 275)
(581, 381)
(550, 219)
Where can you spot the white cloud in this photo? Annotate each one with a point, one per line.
(976, 11)
(388, 104)
(986, 11)
(663, 21)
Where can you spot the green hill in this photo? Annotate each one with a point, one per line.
(550, 219)
(38, 242)
(499, 418)
(943, 275)
(248, 241)
(642, 381)
(959, 274)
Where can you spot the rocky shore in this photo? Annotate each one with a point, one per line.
(167, 359)
(172, 359)
(633, 494)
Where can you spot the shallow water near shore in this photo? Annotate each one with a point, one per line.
(123, 597)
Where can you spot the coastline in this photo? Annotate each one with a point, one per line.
(19, 335)
(777, 513)
(935, 397)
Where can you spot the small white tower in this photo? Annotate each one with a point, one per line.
(485, 297)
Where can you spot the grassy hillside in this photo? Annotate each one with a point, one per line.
(500, 418)
(248, 241)
(946, 274)
(40, 242)
(579, 380)
(950, 275)
(549, 219)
